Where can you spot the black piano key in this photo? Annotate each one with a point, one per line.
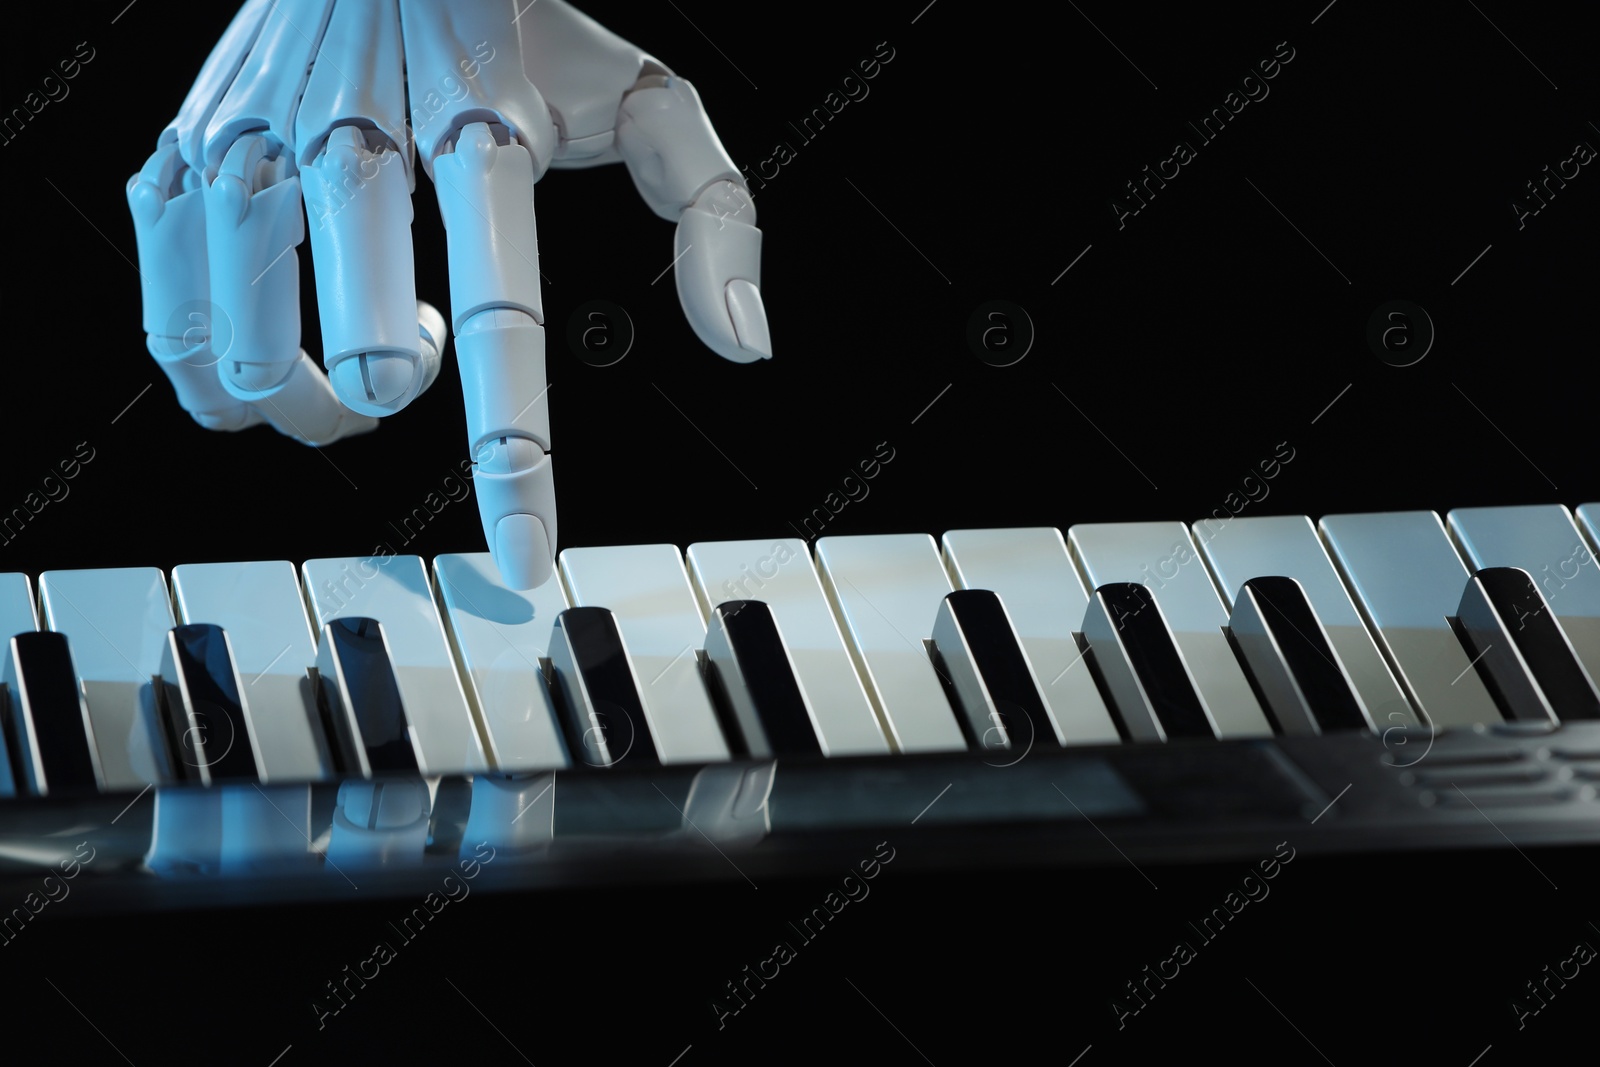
(751, 672)
(359, 698)
(600, 706)
(47, 725)
(1521, 652)
(10, 763)
(1287, 651)
(208, 736)
(1137, 661)
(996, 696)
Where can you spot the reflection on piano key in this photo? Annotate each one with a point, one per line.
(260, 606)
(116, 622)
(381, 823)
(1286, 650)
(1543, 540)
(647, 589)
(1136, 655)
(265, 827)
(500, 635)
(1288, 545)
(1043, 594)
(186, 831)
(749, 666)
(780, 574)
(729, 805)
(1162, 557)
(1409, 580)
(886, 590)
(1521, 651)
(516, 812)
(395, 591)
(16, 605)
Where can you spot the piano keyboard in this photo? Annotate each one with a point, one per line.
(1392, 670)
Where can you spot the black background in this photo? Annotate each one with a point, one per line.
(1175, 354)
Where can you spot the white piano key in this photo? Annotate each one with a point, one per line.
(780, 574)
(887, 590)
(395, 591)
(116, 622)
(1409, 580)
(1030, 571)
(16, 606)
(260, 607)
(647, 589)
(1163, 557)
(1288, 545)
(1543, 540)
(500, 635)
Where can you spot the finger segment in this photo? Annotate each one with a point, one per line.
(718, 272)
(669, 145)
(253, 225)
(184, 331)
(486, 198)
(358, 201)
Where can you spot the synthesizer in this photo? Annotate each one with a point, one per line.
(237, 733)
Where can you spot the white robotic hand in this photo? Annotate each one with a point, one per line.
(334, 101)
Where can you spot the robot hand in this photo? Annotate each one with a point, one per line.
(335, 101)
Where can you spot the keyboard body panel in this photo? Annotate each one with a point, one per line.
(1083, 808)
